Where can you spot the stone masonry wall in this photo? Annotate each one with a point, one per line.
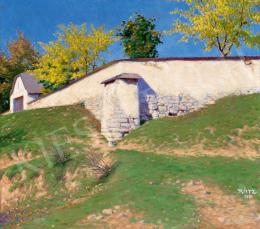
(118, 125)
(120, 114)
(157, 106)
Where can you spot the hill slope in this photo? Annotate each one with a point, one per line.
(231, 127)
(143, 189)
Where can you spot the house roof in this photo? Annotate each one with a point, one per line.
(228, 58)
(122, 76)
(30, 83)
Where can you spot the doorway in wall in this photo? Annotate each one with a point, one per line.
(18, 104)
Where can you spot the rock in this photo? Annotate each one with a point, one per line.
(117, 207)
(91, 217)
(99, 217)
(111, 144)
(108, 211)
(221, 219)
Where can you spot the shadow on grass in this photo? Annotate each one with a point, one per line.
(13, 137)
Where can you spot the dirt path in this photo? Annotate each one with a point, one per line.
(218, 210)
(99, 142)
(197, 150)
(117, 217)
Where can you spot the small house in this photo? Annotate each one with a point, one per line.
(25, 89)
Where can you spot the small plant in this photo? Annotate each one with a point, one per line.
(60, 157)
(101, 166)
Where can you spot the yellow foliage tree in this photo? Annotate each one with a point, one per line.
(220, 23)
(75, 53)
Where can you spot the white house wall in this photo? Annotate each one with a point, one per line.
(19, 90)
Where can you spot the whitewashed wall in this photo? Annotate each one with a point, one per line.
(19, 90)
(172, 77)
(88, 90)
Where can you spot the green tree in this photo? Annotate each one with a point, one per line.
(21, 57)
(5, 83)
(139, 37)
(75, 53)
(219, 23)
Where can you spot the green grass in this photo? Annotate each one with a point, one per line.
(39, 130)
(215, 126)
(146, 182)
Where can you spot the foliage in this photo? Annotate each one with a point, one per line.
(139, 37)
(5, 83)
(220, 23)
(22, 54)
(101, 166)
(75, 53)
(20, 58)
(59, 157)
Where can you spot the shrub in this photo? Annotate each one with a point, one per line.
(101, 166)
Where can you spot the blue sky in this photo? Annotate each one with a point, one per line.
(38, 19)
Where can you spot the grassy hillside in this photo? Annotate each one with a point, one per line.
(147, 188)
(147, 183)
(231, 121)
(30, 129)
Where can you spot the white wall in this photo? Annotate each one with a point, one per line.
(87, 88)
(197, 78)
(20, 91)
(170, 78)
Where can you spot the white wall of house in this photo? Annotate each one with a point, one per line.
(20, 91)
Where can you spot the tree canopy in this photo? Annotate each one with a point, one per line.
(139, 37)
(75, 53)
(219, 23)
(21, 57)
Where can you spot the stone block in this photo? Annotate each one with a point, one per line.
(162, 115)
(114, 130)
(114, 125)
(117, 135)
(124, 130)
(162, 108)
(122, 120)
(137, 122)
(125, 125)
(182, 107)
